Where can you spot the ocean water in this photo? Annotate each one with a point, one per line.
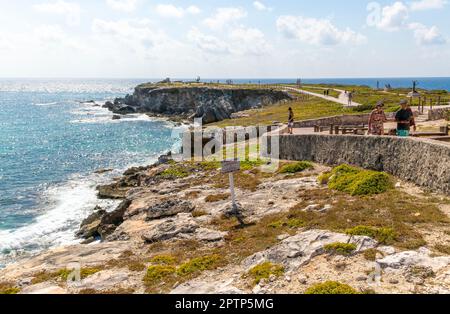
(50, 146)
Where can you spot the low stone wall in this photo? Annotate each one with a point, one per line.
(423, 162)
(438, 114)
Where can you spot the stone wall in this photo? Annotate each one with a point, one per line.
(423, 162)
(438, 114)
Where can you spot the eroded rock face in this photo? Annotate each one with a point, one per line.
(423, 257)
(209, 104)
(169, 208)
(182, 224)
(298, 250)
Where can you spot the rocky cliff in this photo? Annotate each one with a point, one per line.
(209, 104)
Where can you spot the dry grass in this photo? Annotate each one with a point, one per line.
(217, 198)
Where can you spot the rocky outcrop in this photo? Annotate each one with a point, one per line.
(209, 104)
(102, 224)
(169, 208)
(181, 225)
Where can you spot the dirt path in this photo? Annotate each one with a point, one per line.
(343, 99)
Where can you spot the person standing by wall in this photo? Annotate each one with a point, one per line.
(291, 121)
(377, 120)
(403, 118)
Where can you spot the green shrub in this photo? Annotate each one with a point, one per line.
(359, 182)
(382, 235)
(164, 260)
(324, 178)
(297, 167)
(175, 172)
(264, 271)
(371, 254)
(7, 288)
(340, 248)
(331, 287)
(199, 264)
(157, 273)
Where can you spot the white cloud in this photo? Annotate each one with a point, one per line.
(428, 5)
(426, 36)
(317, 31)
(171, 11)
(261, 6)
(70, 10)
(393, 17)
(240, 41)
(122, 5)
(249, 41)
(224, 17)
(207, 43)
(193, 10)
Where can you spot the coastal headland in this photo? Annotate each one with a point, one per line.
(313, 224)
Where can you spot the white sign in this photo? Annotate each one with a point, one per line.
(230, 166)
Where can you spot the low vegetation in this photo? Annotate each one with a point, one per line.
(355, 181)
(264, 271)
(331, 287)
(338, 248)
(441, 248)
(8, 288)
(297, 167)
(371, 254)
(382, 235)
(217, 198)
(64, 274)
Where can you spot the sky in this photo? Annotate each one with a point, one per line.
(224, 39)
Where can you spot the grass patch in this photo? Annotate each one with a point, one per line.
(391, 216)
(291, 223)
(297, 167)
(199, 213)
(156, 273)
(382, 235)
(264, 271)
(175, 172)
(339, 248)
(7, 288)
(355, 181)
(63, 274)
(217, 198)
(331, 287)
(445, 249)
(371, 254)
(164, 260)
(198, 265)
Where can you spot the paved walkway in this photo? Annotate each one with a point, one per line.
(343, 99)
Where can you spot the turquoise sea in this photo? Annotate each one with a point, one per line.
(52, 141)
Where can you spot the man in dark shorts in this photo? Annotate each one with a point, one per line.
(404, 117)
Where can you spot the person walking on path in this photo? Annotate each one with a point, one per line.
(403, 118)
(291, 121)
(377, 120)
(350, 98)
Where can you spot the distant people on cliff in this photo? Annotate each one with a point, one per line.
(403, 117)
(291, 121)
(350, 98)
(377, 119)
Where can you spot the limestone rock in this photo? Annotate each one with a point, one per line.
(209, 235)
(207, 287)
(169, 208)
(299, 249)
(44, 288)
(422, 257)
(182, 224)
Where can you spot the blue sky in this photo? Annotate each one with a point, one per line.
(214, 38)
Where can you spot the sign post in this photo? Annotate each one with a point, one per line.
(230, 167)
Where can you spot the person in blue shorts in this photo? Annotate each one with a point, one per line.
(403, 118)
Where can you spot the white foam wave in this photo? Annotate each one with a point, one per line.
(71, 203)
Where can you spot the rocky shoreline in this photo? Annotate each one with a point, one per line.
(171, 234)
(210, 104)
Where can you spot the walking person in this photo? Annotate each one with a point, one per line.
(403, 117)
(291, 121)
(350, 98)
(377, 119)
